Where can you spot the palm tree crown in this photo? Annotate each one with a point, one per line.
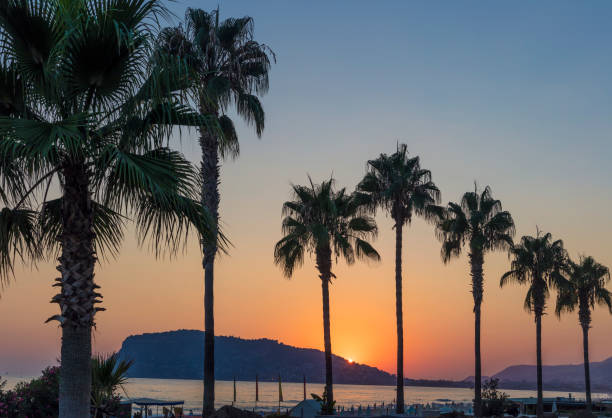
(229, 68)
(96, 123)
(398, 184)
(538, 262)
(477, 220)
(320, 218)
(586, 288)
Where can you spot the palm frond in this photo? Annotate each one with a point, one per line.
(322, 220)
(18, 240)
(108, 227)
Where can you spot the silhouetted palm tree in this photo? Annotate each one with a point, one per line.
(398, 184)
(230, 70)
(328, 224)
(539, 263)
(479, 222)
(83, 107)
(587, 287)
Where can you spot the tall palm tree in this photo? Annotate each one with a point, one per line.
(587, 287)
(85, 118)
(399, 185)
(328, 224)
(479, 222)
(539, 263)
(230, 70)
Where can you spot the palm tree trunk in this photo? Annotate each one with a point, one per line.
(78, 295)
(476, 262)
(324, 266)
(540, 405)
(210, 200)
(587, 373)
(399, 317)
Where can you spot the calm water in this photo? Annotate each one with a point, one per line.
(346, 395)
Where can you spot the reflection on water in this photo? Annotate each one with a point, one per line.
(346, 395)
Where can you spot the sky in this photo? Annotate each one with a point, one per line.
(512, 95)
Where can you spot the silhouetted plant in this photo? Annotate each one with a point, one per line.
(84, 107)
(229, 69)
(398, 184)
(494, 401)
(587, 287)
(539, 263)
(328, 224)
(328, 406)
(479, 222)
(109, 374)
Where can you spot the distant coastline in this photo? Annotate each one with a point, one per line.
(178, 355)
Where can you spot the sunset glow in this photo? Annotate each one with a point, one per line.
(530, 119)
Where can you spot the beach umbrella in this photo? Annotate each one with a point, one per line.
(234, 389)
(280, 390)
(304, 387)
(256, 388)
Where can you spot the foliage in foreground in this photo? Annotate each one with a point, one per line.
(37, 398)
(40, 396)
(494, 401)
(328, 406)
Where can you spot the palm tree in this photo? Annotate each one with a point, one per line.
(399, 185)
(479, 222)
(587, 287)
(230, 70)
(109, 374)
(85, 112)
(328, 224)
(537, 262)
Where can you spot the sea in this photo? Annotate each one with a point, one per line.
(347, 396)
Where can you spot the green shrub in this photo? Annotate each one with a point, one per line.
(37, 398)
(40, 397)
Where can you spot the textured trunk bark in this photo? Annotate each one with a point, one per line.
(399, 317)
(210, 200)
(584, 315)
(324, 266)
(540, 405)
(476, 263)
(587, 372)
(75, 373)
(78, 295)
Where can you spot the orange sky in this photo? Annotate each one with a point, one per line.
(513, 96)
(254, 300)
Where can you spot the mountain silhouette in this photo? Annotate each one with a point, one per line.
(178, 355)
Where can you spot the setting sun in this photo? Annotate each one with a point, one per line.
(351, 361)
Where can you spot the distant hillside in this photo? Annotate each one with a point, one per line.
(178, 355)
(561, 377)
